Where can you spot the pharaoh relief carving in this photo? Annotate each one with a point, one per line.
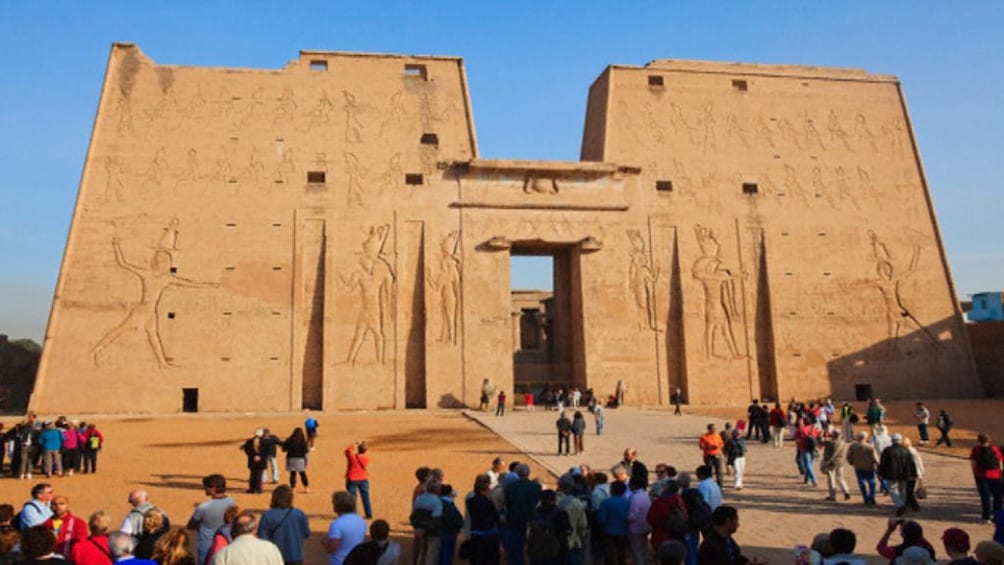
(763, 135)
(642, 276)
(895, 135)
(444, 281)
(123, 107)
(156, 170)
(191, 174)
(154, 280)
(373, 285)
(891, 273)
(721, 298)
(736, 131)
(114, 186)
(812, 136)
(286, 167)
(285, 108)
(391, 178)
(707, 137)
(254, 171)
(353, 124)
(356, 175)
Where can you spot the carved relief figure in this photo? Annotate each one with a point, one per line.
(392, 177)
(113, 179)
(812, 134)
(396, 113)
(320, 114)
(864, 134)
(124, 109)
(762, 132)
(678, 119)
(286, 167)
(894, 134)
(285, 108)
(708, 139)
(154, 281)
(353, 126)
(191, 173)
(897, 315)
(373, 282)
(736, 130)
(837, 133)
(356, 174)
(641, 278)
(788, 133)
(720, 306)
(791, 183)
(255, 169)
(157, 168)
(446, 284)
(255, 106)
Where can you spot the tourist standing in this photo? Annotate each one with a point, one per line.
(93, 440)
(735, 450)
(598, 416)
(711, 445)
(677, 399)
(285, 526)
(346, 531)
(500, 407)
(357, 474)
(897, 468)
(778, 420)
(270, 446)
(296, 448)
(484, 522)
(564, 426)
(246, 547)
(67, 528)
(923, 417)
(208, 516)
(579, 432)
(834, 458)
(487, 391)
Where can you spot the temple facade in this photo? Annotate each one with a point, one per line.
(326, 236)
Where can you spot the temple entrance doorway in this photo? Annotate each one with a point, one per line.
(546, 312)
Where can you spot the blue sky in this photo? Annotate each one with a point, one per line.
(529, 65)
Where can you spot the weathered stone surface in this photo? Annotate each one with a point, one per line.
(326, 236)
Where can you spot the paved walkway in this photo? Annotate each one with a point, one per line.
(776, 511)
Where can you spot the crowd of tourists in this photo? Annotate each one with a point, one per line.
(53, 448)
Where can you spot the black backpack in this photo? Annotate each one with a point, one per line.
(698, 511)
(987, 459)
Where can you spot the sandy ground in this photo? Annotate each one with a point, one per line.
(168, 457)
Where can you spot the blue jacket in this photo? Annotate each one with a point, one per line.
(51, 439)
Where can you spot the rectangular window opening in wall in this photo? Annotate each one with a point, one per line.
(189, 400)
(225, 359)
(228, 313)
(279, 181)
(170, 315)
(232, 180)
(821, 234)
(277, 268)
(234, 138)
(276, 225)
(277, 313)
(827, 273)
(319, 65)
(831, 313)
(315, 177)
(416, 71)
(750, 188)
(174, 270)
(413, 178)
(664, 185)
(740, 85)
(229, 268)
(656, 81)
(430, 139)
(273, 358)
(231, 225)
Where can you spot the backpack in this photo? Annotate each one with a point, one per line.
(17, 521)
(93, 442)
(422, 519)
(810, 443)
(698, 511)
(987, 459)
(677, 522)
(452, 521)
(541, 539)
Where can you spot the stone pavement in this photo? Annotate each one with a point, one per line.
(776, 510)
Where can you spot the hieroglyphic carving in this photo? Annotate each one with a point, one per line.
(353, 125)
(123, 107)
(707, 120)
(819, 186)
(642, 276)
(356, 174)
(255, 169)
(154, 173)
(392, 177)
(373, 283)
(154, 281)
(721, 308)
(255, 107)
(792, 186)
(894, 133)
(191, 173)
(286, 168)
(837, 132)
(888, 282)
(320, 115)
(812, 136)
(445, 284)
(762, 132)
(737, 130)
(395, 115)
(285, 108)
(113, 179)
(788, 132)
(864, 135)
(681, 125)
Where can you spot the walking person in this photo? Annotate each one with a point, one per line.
(598, 416)
(579, 431)
(944, 424)
(296, 448)
(834, 459)
(862, 457)
(357, 474)
(735, 450)
(677, 399)
(985, 459)
(711, 445)
(807, 441)
(897, 468)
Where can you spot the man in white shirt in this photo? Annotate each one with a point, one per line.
(246, 548)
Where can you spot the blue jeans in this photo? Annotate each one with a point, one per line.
(866, 479)
(922, 429)
(362, 488)
(990, 496)
(810, 474)
(692, 547)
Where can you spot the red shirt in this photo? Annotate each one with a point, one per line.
(979, 473)
(357, 463)
(72, 529)
(92, 551)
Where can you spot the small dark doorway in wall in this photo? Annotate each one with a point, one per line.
(189, 400)
(862, 392)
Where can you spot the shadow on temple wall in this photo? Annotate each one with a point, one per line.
(18, 365)
(929, 360)
(448, 400)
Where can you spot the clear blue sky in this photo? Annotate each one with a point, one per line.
(529, 64)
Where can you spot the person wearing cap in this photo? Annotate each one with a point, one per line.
(257, 460)
(913, 536)
(957, 547)
(897, 467)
